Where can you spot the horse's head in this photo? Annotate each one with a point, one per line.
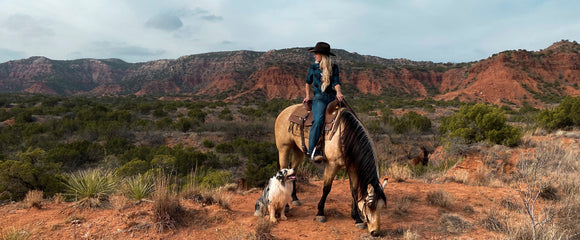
(369, 208)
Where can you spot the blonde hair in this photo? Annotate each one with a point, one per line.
(326, 67)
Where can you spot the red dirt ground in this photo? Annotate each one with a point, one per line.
(55, 221)
(473, 203)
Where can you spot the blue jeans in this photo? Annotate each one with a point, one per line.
(318, 107)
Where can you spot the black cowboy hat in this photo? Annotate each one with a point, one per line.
(321, 47)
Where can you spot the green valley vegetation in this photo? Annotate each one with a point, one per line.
(49, 142)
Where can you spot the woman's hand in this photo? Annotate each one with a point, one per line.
(339, 96)
(306, 99)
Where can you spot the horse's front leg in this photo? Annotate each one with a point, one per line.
(329, 174)
(297, 157)
(358, 222)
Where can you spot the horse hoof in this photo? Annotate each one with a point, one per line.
(321, 219)
(296, 203)
(360, 225)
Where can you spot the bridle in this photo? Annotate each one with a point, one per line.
(368, 204)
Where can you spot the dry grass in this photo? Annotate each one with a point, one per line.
(403, 205)
(15, 234)
(439, 198)
(510, 203)
(33, 199)
(74, 218)
(521, 231)
(496, 183)
(550, 193)
(568, 217)
(480, 178)
(518, 231)
(58, 198)
(167, 210)
(494, 221)
(119, 202)
(461, 176)
(399, 173)
(410, 235)
(263, 230)
(453, 223)
(207, 196)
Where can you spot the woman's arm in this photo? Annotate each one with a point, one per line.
(307, 98)
(336, 82)
(339, 95)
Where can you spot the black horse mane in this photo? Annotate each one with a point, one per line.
(359, 155)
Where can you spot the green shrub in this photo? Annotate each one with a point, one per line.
(164, 162)
(566, 115)
(158, 113)
(480, 123)
(164, 124)
(224, 148)
(416, 121)
(262, 160)
(208, 143)
(77, 154)
(197, 114)
(117, 145)
(226, 114)
(29, 170)
(214, 178)
(184, 124)
(134, 167)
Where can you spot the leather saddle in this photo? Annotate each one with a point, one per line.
(301, 120)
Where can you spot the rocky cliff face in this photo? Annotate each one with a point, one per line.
(518, 76)
(509, 77)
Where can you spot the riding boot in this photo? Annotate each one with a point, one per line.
(316, 156)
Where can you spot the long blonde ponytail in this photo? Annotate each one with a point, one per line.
(326, 67)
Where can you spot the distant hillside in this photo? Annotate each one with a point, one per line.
(509, 77)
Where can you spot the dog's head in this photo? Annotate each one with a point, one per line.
(285, 174)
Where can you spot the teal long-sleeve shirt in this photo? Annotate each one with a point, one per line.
(314, 78)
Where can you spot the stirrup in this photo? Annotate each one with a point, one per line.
(312, 154)
(316, 157)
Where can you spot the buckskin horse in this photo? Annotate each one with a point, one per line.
(346, 146)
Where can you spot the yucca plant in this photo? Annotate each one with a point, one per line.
(91, 187)
(138, 187)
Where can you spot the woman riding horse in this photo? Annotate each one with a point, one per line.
(324, 77)
(347, 146)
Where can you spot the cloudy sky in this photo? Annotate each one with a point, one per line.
(144, 30)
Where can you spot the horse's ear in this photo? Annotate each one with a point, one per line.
(370, 190)
(385, 181)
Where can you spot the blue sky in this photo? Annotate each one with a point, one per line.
(145, 30)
